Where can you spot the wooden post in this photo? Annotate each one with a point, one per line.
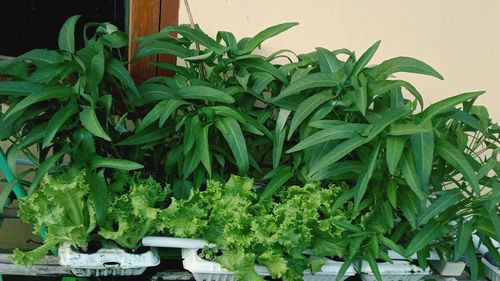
(146, 17)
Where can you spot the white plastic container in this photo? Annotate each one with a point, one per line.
(448, 268)
(491, 271)
(399, 270)
(106, 261)
(204, 270)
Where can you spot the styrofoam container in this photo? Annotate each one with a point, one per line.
(399, 270)
(448, 268)
(106, 261)
(204, 270)
(490, 271)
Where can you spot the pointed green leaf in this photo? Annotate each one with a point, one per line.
(66, 39)
(464, 234)
(280, 177)
(202, 143)
(160, 47)
(364, 59)
(59, 118)
(365, 176)
(116, 69)
(149, 135)
(338, 169)
(406, 129)
(264, 66)
(393, 150)
(328, 61)
(18, 88)
(310, 81)
(205, 93)
(44, 168)
(278, 140)
(266, 34)
(425, 237)
(402, 64)
(41, 57)
(457, 159)
(42, 95)
(307, 107)
(231, 131)
(99, 194)
(161, 111)
(198, 36)
(331, 133)
(410, 175)
(446, 200)
(337, 153)
(446, 104)
(91, 122)
(118, 164)
(422, 146)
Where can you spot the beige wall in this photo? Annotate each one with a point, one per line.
(460, 38)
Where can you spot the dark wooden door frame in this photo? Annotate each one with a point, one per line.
(146, 17)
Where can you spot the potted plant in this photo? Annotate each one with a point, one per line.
(331, 118)
(67, 112)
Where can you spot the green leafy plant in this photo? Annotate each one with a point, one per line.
(65, 207)
(274, 234)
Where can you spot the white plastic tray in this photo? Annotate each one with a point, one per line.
(399, 270)
(204, 270)
(492, 272)
(106, 261)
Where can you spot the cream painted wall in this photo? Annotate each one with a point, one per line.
(459, 38)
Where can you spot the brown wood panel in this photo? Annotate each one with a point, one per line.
(144, 19)
(169, 16)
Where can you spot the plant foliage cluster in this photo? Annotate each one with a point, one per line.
(375, 166)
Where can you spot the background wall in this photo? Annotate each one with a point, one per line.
(459, 38)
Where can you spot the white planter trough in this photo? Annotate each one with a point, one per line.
(491, 271)
(399, 270)
(204, 270)
(106, 261)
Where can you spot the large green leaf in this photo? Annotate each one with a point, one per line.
(91, 122)
(422, 146)
(231, 131)
(457, 159)
(161, 111)
(464, 234)
(149, 135)
(44, 168)
(387, 117)
(278, 141)
(118, 164)
(402, 64)
(446, 104)
(310, 81)
(99, 194)
(92, 57)
(66, 38)
(57, 120)
(280, 177)
(365, 176)
(262, 65)
(18, 88)
(446, 200)
(160, 47)
(116, 69)
(328, 61)
(264, 35)
(393, 150)
(205, 93)
(198, 36)
(14, 68)
(42, 95)
(203, 144)
(337, 153)
(409, 173)
(331, 133)
(364, 59)
(307, 107)
(339, 169)
(425, 237)
(406, 129)
(41, 57)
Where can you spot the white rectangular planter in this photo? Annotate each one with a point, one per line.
(204, 270)
(399, 270)
(106, 261)
(491, 271)
(447, 268)
(212, 271)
